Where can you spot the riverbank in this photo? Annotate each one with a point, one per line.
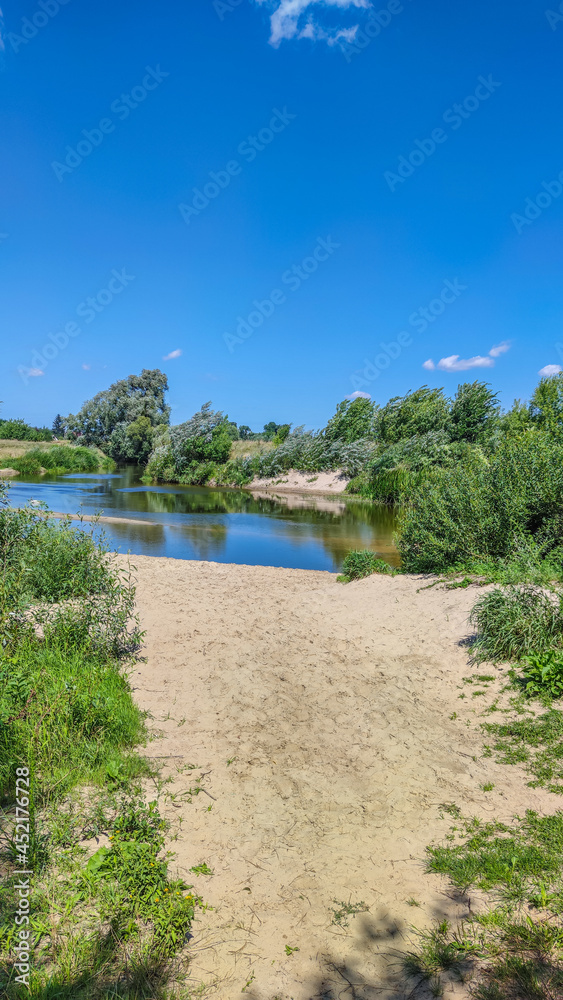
(323, 483)
(329, 726)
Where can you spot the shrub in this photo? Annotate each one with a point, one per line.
(515, 622)
(543, 674)
(18, 430)
(486, 507)
(60, 458)
(361, 562)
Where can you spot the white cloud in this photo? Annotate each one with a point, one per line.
(501, 348)
(550, 370)
(172, 355)
(294, 19)
(34, 372)
(86, 367)
(359, 395)
(456, 364)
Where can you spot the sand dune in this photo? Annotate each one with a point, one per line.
(334, 705)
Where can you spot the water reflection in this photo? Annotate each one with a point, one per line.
(292, 530)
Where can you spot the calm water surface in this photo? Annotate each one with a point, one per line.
(222, 525)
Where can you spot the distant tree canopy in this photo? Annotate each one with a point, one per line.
(18, 430)
(122, 419)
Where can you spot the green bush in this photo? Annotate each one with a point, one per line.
(60, 459)
(18, 430)
(362, 562)
(481, 509)
(543, 674)
(515, 622)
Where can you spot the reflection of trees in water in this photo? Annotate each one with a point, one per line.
(145, 537)
(207, 541)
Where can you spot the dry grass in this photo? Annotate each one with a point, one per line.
(248, 449)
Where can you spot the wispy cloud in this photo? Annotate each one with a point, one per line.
(295, 19)
(548, 370)
(501, 348)
(2, 45)
(34, 372)
(86, 367)
(358, 394)
(172, 355)
(454, 363)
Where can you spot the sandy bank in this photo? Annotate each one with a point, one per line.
(302, 482)
(93, 517)
(322, 719)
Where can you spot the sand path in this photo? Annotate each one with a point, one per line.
(335, 703)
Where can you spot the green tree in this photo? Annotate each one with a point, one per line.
(473, 412)
(204, 437)
(353, 421)
(270, 430)
(59, 428)
(282, 433)
(245, 434)
(417, 412)
(546, 406)
(105, 419)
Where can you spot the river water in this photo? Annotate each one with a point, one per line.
(223, 525)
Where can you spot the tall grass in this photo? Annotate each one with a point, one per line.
(60, 459)
(67, 636)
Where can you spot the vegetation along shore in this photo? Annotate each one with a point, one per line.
(360, 777)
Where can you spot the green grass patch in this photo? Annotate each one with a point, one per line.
(515, 622)
(535, 742)
(362, 562)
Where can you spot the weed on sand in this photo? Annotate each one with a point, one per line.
(513, 950)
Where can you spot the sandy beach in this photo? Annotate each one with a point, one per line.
(321, 717)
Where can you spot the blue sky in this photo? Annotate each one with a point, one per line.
(359, 231)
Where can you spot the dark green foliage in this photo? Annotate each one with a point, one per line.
(542, 675)
(59, 426)
(517, 621)
(122, 419)
(487, 508)
(419, 412)
(18, 430)
(362, 562)
(353, 421)
(473, 411)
